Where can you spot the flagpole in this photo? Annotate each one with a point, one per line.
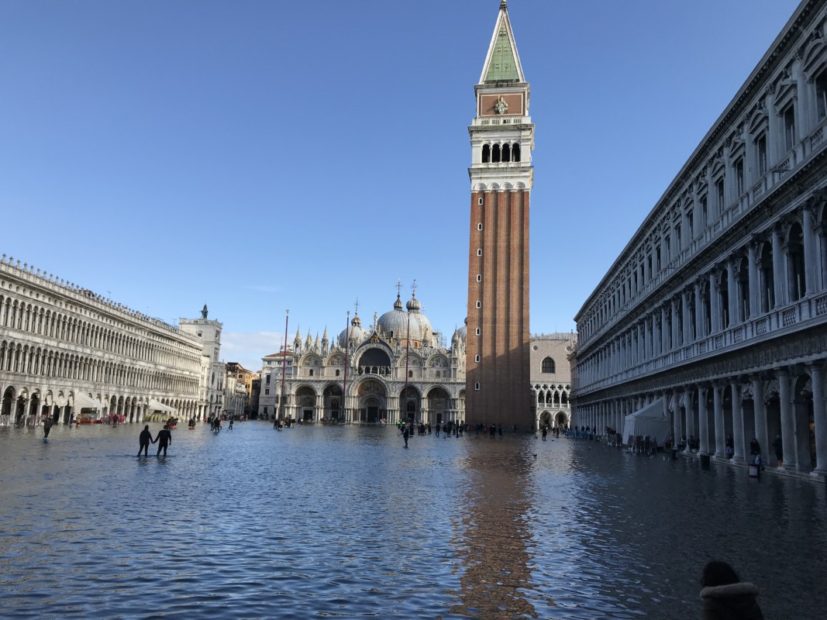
(283, 365)
(344, 380)
(407, 357)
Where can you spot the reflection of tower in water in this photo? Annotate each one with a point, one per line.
(494, 535)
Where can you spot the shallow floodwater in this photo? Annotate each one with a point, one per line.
(344, 522)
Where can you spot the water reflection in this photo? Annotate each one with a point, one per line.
(345, 522)
(494, 532)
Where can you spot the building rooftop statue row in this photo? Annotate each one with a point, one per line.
(24, 270)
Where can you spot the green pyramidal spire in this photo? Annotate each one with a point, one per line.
(502, 61)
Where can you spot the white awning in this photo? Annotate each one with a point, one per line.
(83, 401)
(649, 420)
(154, 405)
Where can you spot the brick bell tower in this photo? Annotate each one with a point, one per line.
(502, 138)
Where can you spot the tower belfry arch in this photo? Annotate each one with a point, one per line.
(501, 175)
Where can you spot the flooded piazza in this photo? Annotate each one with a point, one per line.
(344, 522)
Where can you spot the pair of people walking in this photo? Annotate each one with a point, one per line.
(163, 438)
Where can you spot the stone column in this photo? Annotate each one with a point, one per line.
(717, 404)
(737, 424)
(714, 304)
(664, 334)
(787, 428)
(687, 329)
(699, 315)
(754, 283)
(675, 326)
(703, 431)
(819, 418)
(732, 293)
(760, 412)
(676, 419)
(811, 275)
(779, 275)
(690, 417)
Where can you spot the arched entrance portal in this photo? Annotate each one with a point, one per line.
(306, 403)
(7, 406)
(333, 403)
(545, 420)
(410, 404)
(373, 406)
(561, 420)
(439, 406)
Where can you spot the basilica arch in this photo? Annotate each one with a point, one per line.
(306, 404)
(372, 402)
(374, 360)
(332, 397)
(410, 404)
(439, 405)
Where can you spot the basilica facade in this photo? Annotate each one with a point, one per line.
(398, 369)
(715, 312)
(394, 370)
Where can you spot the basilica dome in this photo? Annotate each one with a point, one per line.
(399, 324)
(356, 333)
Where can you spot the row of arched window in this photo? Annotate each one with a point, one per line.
(42, 362)
(719, 299)
(552, 397)
(26, 317)
(755, 153)
(496, 153)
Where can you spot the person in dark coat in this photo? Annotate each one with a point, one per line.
(144, 439)
(47, 426)
(725, 597)
(164, 439)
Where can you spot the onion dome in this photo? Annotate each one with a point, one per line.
(355, 333)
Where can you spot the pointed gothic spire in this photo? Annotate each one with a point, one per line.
(502, 62)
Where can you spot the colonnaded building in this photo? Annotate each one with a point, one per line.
(398, 369)
(716, 309)
(67, 352)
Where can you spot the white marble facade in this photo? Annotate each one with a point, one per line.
(396, 369)
(67, 352)
(717, 306)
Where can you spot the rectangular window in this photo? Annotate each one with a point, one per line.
(761, 154)
(479, 277)
(268, 380)
(477, 386)
(821, 95)
(789, 127)
(678, 243)
(266, 391)
(479, 226)
(657, 258)
(479, 304)
(479, 251)
(477, 357)
(478, 331)
(719, 193)
(739, 177)
(704, 212)
(668, 243)
(691, 224)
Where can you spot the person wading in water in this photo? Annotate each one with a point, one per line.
(144, 439)
(164, 439)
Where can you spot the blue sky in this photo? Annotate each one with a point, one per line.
(263, 155)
